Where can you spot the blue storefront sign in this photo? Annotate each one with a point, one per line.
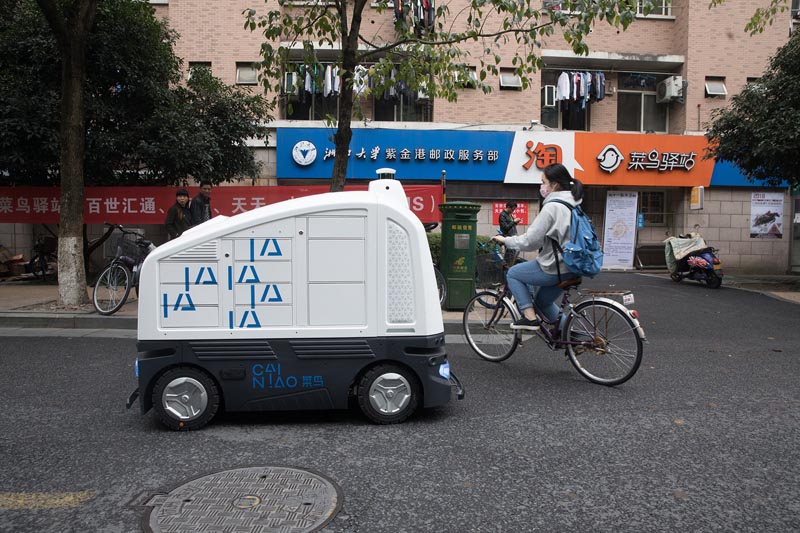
(414, 154)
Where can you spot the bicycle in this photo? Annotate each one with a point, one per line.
(44, 260)
(113, 286)
(441, 283)
(601, 337)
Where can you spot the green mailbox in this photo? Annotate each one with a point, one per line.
(459, 230)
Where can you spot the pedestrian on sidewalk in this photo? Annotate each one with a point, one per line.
(508, 228)
(179, 217)
(201, 204)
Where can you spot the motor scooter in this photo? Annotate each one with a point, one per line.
(689, 257)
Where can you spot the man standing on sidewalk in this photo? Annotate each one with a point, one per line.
(508, 228)
(201, 204)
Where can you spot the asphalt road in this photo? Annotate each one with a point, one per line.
(704, 438)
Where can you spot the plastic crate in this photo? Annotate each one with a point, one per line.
(490, 270)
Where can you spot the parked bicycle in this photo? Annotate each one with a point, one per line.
(441, 283)
(112, 288)
(44, 260)
(601, 337)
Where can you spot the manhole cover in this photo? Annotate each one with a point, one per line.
(245, 500)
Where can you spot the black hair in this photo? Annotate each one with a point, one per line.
(559, 174)
(205, 182)
(511, 204)
(182, 192)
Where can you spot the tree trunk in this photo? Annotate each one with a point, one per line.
(71, 273)
(344, 131)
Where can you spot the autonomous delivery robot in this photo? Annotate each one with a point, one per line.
(321, 302)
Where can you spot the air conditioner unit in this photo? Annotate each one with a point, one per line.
(669, 89)
(549, 99)
(290, 86)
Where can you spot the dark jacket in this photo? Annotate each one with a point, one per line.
(201, 209)
(507, 225)
(179, 219)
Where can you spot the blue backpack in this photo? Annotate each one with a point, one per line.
(582, 254)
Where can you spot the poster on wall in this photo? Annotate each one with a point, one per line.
(766, 215)
(619, 235)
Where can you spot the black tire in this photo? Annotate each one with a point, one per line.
(112, 289)
(388, 394)
(676, 277)
(616, 350)
(487, 326)
(713, 280)
(185, 398)
(441, 284)
(38, 266)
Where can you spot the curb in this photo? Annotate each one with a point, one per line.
(66, 321)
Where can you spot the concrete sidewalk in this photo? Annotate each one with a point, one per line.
(32, 304)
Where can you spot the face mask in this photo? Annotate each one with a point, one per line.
(543, 190)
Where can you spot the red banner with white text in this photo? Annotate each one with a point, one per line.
(149, 205)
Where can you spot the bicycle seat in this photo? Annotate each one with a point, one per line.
(572, 282)
(430, 226)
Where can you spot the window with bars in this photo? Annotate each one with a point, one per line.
(653, 207)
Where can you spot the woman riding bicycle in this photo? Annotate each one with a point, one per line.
(548, 270)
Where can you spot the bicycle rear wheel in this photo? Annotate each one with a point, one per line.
(616, 351)
(487, 326)
(112, 289)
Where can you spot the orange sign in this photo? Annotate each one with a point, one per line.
(642, 160)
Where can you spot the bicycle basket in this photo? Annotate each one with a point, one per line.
(127, 247)
(490, 270)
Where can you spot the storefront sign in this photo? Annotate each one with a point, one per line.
(413, 154)
(520, 212)
(766, 215)
(619, 235)
(149, 205)
(507, 156)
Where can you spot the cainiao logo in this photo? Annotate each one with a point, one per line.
(610, 158)
(304, 153)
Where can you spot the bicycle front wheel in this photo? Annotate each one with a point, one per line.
(487, 326)
(112, 289)
(616, 350)
(441, 284)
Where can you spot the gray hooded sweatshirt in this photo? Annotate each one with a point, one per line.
(553, 221)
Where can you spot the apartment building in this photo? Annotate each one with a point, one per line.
(628, 120)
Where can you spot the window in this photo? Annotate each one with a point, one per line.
(195, 65)
(655, 8)
(637, 109)
(559, 116)
(471, 80)
(653, 207)
(716, 87)
(246, 74)
(510, 81)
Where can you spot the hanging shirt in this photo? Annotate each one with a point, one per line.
(562, 87)
(327, 84)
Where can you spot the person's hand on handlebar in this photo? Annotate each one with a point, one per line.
(499, 238)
